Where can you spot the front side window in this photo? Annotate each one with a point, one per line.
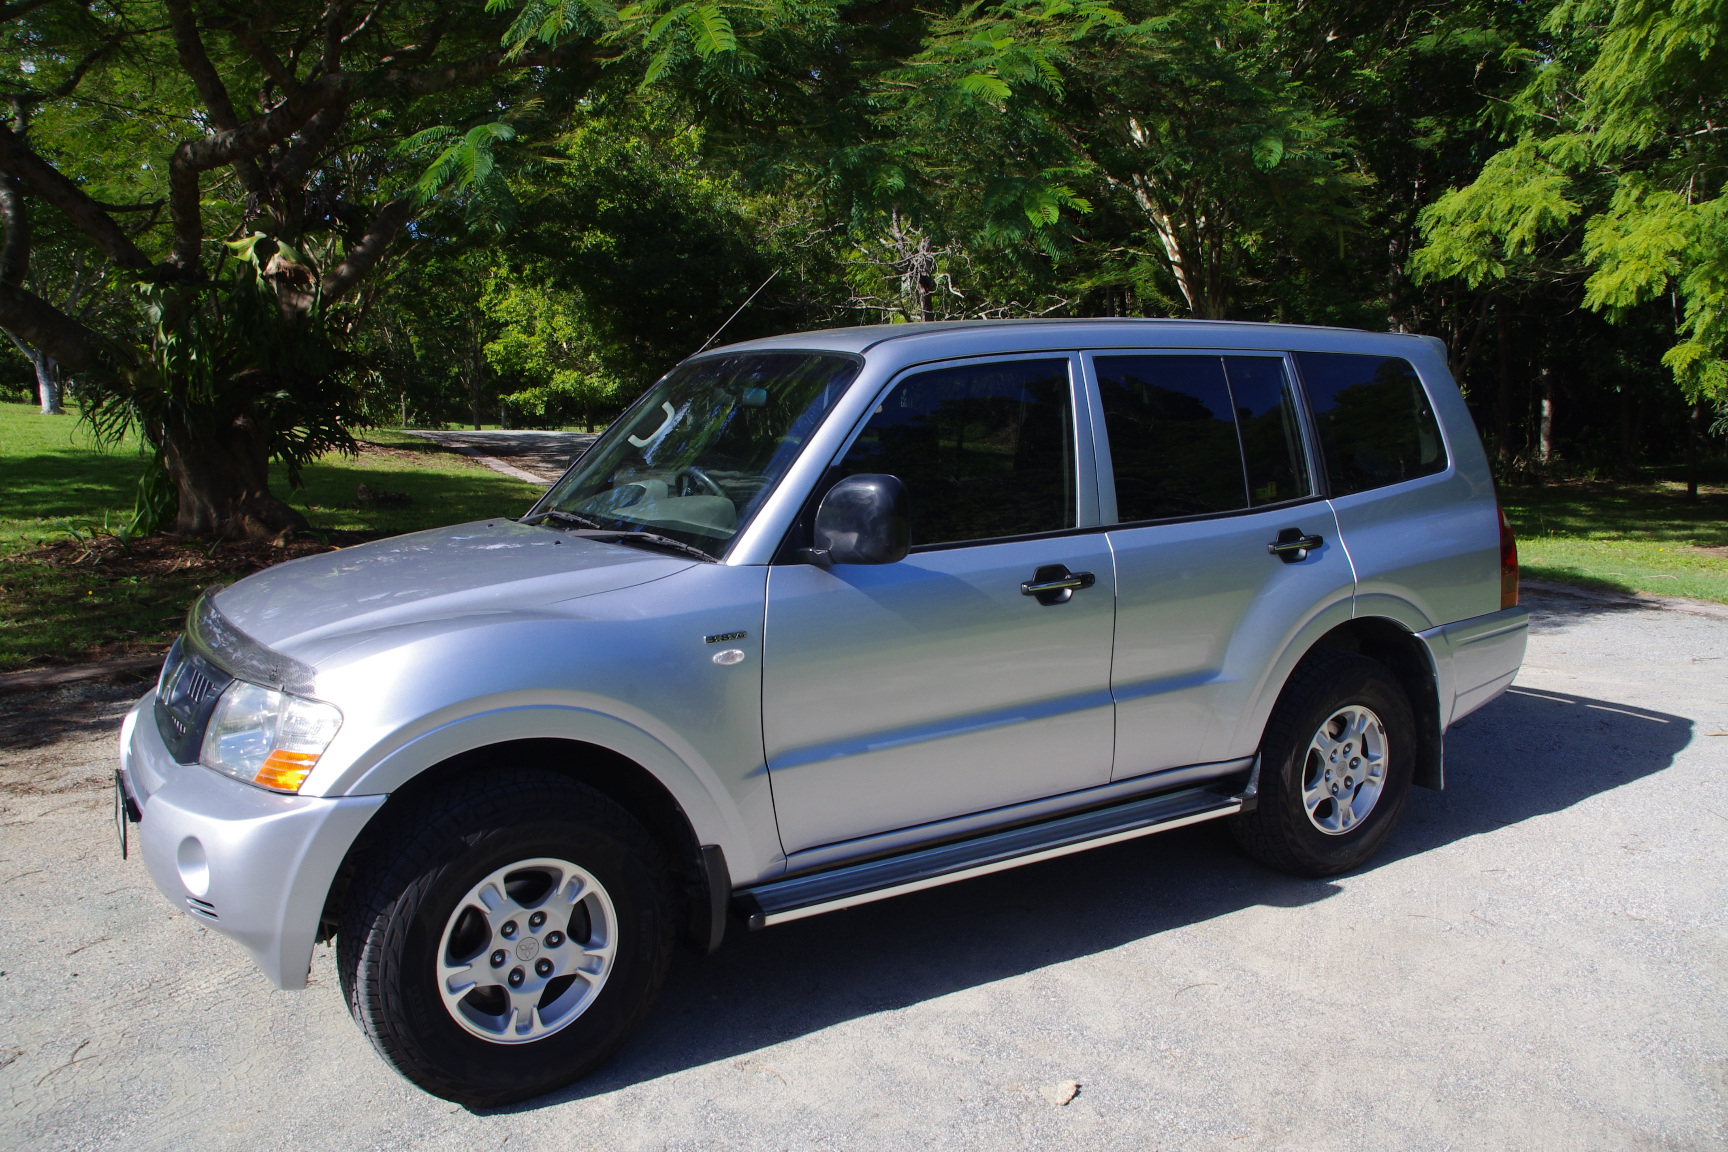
(985, 450)
(1376, 425)
(704, 448)
(1198, 435)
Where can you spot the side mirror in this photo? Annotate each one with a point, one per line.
(862, 520)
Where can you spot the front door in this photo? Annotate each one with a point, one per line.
(1214, 499)
(946, 684)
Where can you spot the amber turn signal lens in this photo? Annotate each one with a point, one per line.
(286, 770)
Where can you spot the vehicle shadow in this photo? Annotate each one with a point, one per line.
(1525, 755)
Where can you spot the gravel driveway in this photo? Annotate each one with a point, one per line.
(1537, 961)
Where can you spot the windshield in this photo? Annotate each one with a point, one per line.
(695, 457)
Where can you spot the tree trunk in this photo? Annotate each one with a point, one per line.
(1694, 422)
(1545, 419)
(1503, 399)
(47, 383)
(223, 484)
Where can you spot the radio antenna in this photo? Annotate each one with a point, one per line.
(734, 315)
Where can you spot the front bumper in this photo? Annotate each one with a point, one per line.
(252, 864)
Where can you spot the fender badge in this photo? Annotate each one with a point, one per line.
(724, 637)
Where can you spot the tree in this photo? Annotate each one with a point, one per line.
(545, 345)
(1617, 171)
(269, 139)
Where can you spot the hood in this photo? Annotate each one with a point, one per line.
(487, 566)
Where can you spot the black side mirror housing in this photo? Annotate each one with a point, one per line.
(863, 519)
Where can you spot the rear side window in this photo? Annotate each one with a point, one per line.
(985, 450)
(1193, 435)
(1375, 422)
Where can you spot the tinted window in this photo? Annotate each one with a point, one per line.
(1271, 435)
(1172, 436)
(986, 450)
(1376, 425)
(1190, 435)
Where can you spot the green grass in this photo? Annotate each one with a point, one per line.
(57, 488)
(1626, 537)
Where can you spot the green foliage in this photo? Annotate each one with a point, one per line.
(465, 167)
(1618, 169)
(543, 343)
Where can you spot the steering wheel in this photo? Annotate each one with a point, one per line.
(692, 481)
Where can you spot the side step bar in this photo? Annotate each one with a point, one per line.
(784, 900)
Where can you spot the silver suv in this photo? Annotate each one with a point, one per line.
(820, 620)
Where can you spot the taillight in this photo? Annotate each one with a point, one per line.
(1508, 563)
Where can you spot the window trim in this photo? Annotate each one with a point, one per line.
(1086, 491)
(1308, 435)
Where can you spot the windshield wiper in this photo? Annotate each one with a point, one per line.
(564, 517)
(653, 539)
(590, 529)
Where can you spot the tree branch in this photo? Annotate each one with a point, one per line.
(366, 254)
(335, 16)
(41, 178)
(193, 157)
(299, 157)
(199, 69)
(15, 217)
(47, 329)
(21, 8)
(359, 29)
(196, 61)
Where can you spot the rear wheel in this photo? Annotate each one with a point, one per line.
(502, 941)
(1335, 768)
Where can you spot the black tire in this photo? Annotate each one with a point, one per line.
(411, 881)
(1278, 831)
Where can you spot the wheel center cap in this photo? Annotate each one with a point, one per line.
(528, 949)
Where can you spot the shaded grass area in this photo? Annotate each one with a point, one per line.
(70, 593)
(1626, 537)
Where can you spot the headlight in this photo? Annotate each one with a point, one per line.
(267, 737)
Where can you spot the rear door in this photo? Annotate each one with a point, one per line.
(1224, 550)
(899, 694)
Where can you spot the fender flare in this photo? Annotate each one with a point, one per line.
(711, 812)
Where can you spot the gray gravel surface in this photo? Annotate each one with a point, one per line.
(1537, 961)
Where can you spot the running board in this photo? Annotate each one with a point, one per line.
(784, 900)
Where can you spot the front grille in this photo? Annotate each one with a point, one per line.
(201, 908)
(185, 697)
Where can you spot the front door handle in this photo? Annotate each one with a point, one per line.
(1293, 545)
(1054, 584)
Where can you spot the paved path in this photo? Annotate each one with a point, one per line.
(538, 457)
(1538, 961)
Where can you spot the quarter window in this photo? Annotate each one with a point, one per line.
(1195, 435)
(1375, 422)
(985, 450)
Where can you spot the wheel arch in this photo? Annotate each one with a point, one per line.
(701, 867)
(1394, 645)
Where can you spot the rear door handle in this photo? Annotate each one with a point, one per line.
(1293, 545)
(1054, 584)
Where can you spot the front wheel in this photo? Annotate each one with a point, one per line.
(1335, 768)
(502, 941)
